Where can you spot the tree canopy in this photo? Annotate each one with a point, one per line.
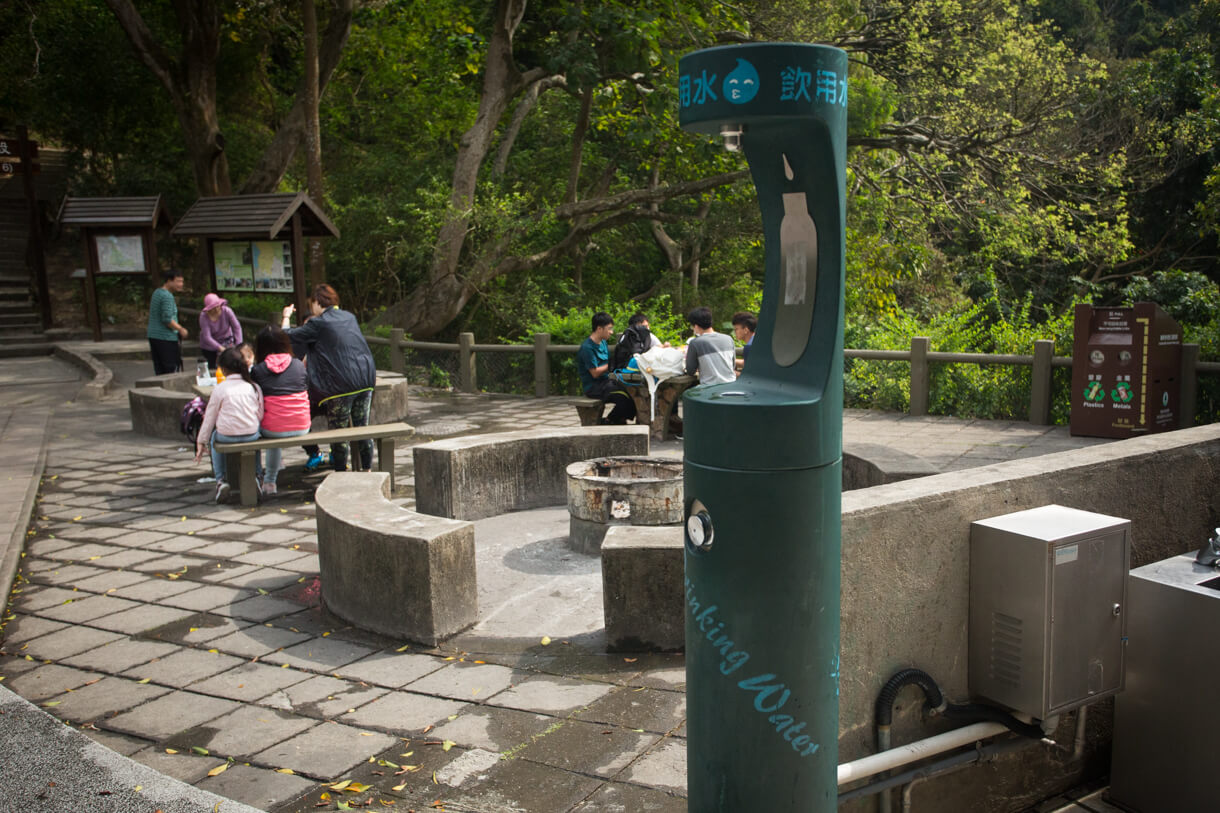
(490, 163)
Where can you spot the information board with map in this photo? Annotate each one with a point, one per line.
(120, 253)
(253, 265)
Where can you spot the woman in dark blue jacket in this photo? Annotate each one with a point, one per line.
(340, 369)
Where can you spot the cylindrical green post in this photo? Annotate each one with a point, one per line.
(764, 454)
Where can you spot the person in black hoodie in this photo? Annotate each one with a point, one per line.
(341, 372)
(285, 399)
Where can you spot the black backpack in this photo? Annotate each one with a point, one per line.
(634, 340)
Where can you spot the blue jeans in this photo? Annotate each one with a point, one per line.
(218, 460)
(275, 457)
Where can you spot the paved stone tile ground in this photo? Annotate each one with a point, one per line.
(160, 622)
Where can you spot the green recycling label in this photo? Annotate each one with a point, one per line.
(1093, 392)
(1122, 393)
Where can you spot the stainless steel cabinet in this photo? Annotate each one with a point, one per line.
(1047, 601)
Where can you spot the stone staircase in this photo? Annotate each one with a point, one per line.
(20, 319)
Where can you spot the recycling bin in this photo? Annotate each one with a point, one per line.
(1126, 368)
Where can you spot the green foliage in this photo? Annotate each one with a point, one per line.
(439, 377)
(1188, 296)
(962, 390)
(265, 307)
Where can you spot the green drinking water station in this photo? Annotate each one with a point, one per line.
(763, 455)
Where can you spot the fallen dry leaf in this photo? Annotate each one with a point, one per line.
(219, 769)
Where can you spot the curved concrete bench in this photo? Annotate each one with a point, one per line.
(390, 397)
(871, 464)
(178, 382)
(642, 592)
(54, 768)
(101, 379)
(391, 570)
(485, 475)
(157, 412)
(156, 402)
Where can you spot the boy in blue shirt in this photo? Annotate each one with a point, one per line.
(593, 366)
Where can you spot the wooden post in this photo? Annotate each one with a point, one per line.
(467, 377)
(92, 308)
(542, 365)
(1189, 392)
(1040, 383)
(919, 375)
(397, 363)
(298, 267)
(26, 153)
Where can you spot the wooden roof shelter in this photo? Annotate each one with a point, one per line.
(276, 216)
(267, 217)
(120, 237)
(135, 213)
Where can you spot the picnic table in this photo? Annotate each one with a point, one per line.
(669, 393)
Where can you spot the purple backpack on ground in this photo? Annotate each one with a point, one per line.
(192, 417)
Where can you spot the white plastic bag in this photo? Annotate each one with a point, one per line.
(658, 364)
(662, 362)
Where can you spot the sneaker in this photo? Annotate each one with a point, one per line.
(315, 462)
(208, 479)
(222, 491)
(269, 489)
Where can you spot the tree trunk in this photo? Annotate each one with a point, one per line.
(190, 82)
(274, 161)
(438, 300)
(313, 136)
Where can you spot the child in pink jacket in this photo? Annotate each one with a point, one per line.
(281, 377)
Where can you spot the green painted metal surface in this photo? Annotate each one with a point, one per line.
(764, 454)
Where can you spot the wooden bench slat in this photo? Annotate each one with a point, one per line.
(344, 435)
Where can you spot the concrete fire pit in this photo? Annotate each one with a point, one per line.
(609, 491)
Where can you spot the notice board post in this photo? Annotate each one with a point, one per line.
(119, 238)
(255, 243)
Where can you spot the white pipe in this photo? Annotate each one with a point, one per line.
(920, 749)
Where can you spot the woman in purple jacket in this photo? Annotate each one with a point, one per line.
(218, 328)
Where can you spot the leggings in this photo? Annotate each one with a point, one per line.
(344, 411)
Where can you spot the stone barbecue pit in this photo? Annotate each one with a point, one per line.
(609, 491)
